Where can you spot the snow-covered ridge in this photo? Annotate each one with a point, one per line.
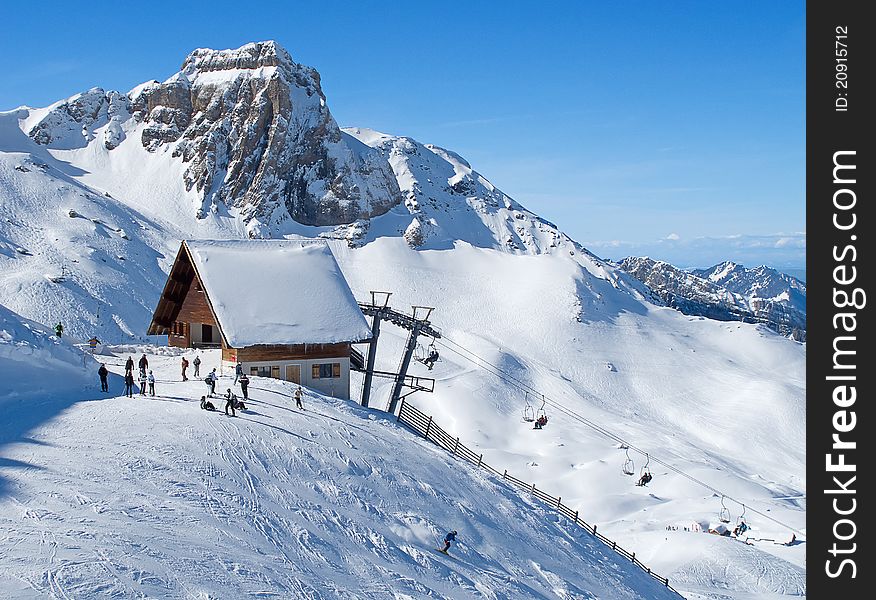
(34, 361)
(447, 200)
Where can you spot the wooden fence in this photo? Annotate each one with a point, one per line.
(426, 427)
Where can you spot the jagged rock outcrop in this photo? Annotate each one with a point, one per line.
(255, 133)
(71, 123)
(728, 292)
(447, 200)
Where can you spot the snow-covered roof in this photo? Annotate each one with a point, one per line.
(277, 292)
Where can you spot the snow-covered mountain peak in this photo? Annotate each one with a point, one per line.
(448, 201)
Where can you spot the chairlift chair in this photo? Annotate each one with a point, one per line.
(645, 471)
(528, 412)
(724, 515)
(741, 517)
(422, 354)
(541, 412)
(629, 467)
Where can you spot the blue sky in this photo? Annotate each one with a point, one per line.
(674, 129)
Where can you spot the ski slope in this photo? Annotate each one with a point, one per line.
(87, 236)
(153, 497)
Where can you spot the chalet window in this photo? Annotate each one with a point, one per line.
(275, 371)
(262, 371)
(326, 371)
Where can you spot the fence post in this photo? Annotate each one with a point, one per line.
(576, 517)
(428, 427)
(401, 408)
(594, 529)
(634, 557)
(505, 474)
(559, 503)
(614, 545)
(480, 459)
(666, 582)
(456, 445)
(532, 491)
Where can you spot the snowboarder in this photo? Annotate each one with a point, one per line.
(142, 382)
(298, 398)
(244, 384)
(59, 329)
(129, 384)
(450, 537)
(230, 402)
(185, 366)
(206, 404)
(197, 364)
(102, 373)
(143, 363)
(238, 371)
(741, 528)
(151, 380)
(129, 365)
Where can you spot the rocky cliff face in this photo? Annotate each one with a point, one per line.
(254, 131)
(446, 200)
(728, 292)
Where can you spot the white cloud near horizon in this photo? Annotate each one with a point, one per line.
(775, 250)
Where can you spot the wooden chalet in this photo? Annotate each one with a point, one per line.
(282, 308)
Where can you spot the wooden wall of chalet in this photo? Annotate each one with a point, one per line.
(182, 340)
(284, 353)
(195, 309)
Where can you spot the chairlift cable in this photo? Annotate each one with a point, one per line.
(508, 378)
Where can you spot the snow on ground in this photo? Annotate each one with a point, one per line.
(723, 402)
(34, 362)
(108, 496)
(87, 236)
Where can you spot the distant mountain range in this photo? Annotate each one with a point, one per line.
(728, 292)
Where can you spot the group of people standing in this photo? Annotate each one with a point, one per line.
(147, 380)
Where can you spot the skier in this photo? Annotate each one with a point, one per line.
(197, 364)
(230, 402)
(645, 479)
(210, 380)
(238, 371)
(151, 380)
(102, 373)
(142, 382)
(540, 422)
(244, 384)
(59, 329)
(185, 365)
(143, 363)
(129, 384)
(298, 398)
(129, 365)
(450, 537)
(206, 404)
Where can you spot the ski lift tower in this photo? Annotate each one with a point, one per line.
(418, 323)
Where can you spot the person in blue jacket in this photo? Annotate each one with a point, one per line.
(450, 537)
